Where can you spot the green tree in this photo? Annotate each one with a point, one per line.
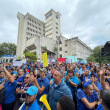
(55, 49)
(7, 49)
(25, 51)
(31, 56)
(95, 56)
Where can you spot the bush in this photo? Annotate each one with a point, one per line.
(31, 56)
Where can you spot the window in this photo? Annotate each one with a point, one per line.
(56, 32)
(60, 48)
(27, 23)
(60, 42)
(28, 28)
(65, 44)
(36, 27)
(49, 15)
(33, 30)
(66, 51)
(60, 55)
(56, 17)
(56, 27)
(30, 24)
(38, 24)
(56, 23)
(36, 32)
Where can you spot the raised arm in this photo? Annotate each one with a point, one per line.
(8, 74)
(102, 80)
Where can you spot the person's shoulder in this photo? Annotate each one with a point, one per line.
(39, 79)
(46, 79)
(80, 91)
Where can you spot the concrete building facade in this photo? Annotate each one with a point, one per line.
(34, 34)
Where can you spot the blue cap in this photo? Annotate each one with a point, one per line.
(94, 75)
(86, 84)
(82, 63)
(41, 65)
(32, 90)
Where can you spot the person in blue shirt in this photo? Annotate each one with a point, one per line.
(42, 84)
(83, 68)
(85, 97)
(57, 89)
(24, 86)
(31, 102)
(10, 85)
(90, 66)
(25, 71)
(71, 81)
(20, 79)
(84, 76)
(95, 82)
(2, 77)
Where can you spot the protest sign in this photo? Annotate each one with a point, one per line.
(17, 63)
(68, 60)
(62, 60)
(45, 60)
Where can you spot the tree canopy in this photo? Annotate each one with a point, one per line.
(95, 56)
(30, 56)
(7, 49)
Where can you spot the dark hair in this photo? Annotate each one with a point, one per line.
(1, 71)
(71, 71)
(11, 69)
(66, 103)
(105, 96)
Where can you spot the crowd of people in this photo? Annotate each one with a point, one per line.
(75, 86)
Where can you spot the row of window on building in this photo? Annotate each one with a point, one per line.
(49, 15)
(29, 19)
(33, 35)
(29, 24)
(32, 30)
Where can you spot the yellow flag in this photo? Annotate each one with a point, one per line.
(45, 60)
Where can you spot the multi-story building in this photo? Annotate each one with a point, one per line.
(34, 34)
(52, 24)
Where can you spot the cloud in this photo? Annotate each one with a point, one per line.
(87, 19)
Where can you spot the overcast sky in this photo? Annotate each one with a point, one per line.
(87, 19)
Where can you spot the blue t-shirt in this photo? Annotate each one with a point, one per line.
(100, 107)
(80, 104)
(8, 89)
(25, 88)
(20, 80)
(82, 71)
(45, 83)
(75, 80)
(83, 78)
(34, 106)
(98, 85)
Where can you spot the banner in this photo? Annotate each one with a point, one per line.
(68, 60)
(74, 58)
(62, 60)
(45, 60)
(17, 63)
